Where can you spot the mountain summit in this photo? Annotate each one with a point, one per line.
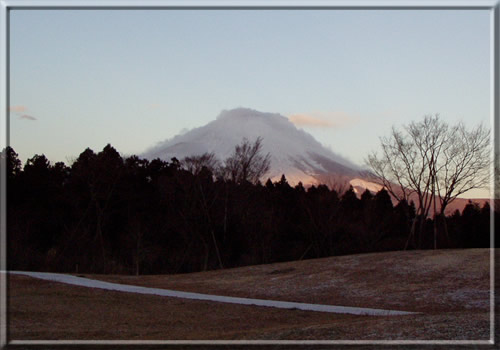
(293, 151)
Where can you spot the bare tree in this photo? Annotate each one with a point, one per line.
(194, 164)
(435, 162)
(247, 163)
(463, 166)
(403, 171)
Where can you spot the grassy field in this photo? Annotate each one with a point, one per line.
(449, 287)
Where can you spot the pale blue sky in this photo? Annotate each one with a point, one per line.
(133, 78)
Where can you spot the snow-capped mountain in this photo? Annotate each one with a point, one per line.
(293, 151)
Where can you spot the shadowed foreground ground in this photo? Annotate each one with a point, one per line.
(449, 287)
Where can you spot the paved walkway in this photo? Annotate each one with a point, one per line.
(85, 282)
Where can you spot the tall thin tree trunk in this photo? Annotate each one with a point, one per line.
(216, 249)
(138, 252)
(435, 223)
(207, 254)
(445, 224)
(212, 233)
(225, 214)
(412, 231)
(445, 227)
(101, 239)
(435, 231)
(421, 230)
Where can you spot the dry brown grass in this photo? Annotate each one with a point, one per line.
(449, 287)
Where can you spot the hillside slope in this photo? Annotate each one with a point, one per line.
(451, 289)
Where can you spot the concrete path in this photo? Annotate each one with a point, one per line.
(85, 282)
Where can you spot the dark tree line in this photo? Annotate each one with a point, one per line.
(109, 214)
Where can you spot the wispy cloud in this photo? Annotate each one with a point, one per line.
(156, 106)
(20, 112)
(17, 109)
(308, 120)
(323, 119)
(26, 116)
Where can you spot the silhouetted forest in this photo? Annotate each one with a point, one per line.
(108, 214)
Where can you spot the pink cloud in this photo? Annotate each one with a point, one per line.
(308, 120)
(322, 119)
(17, 109)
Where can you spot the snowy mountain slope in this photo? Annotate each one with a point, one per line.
(293, 151)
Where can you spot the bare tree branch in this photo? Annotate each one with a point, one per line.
(194, 164)
(434, 161)
(247, 163)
